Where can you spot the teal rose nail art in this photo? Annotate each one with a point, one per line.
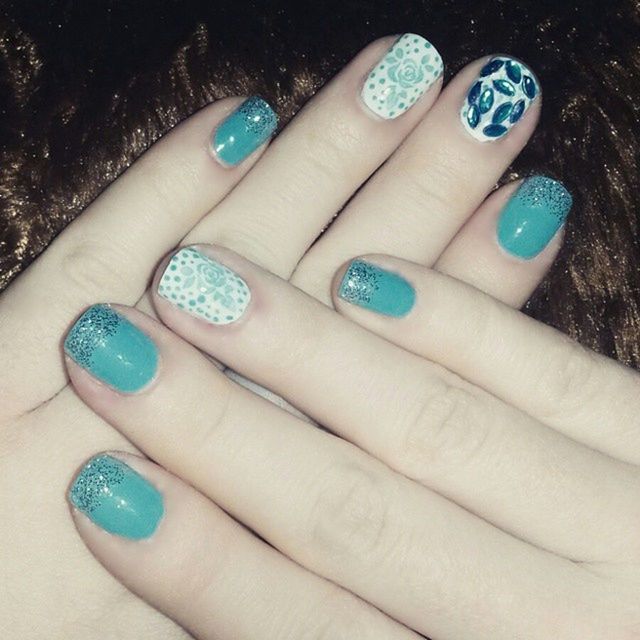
(402, 76)
(498, 98)
(204, 288)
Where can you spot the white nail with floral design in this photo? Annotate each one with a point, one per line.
(402, 76)
(204, 288)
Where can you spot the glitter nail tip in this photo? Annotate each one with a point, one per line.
(117, 498)
(371, 287)
(112, 349)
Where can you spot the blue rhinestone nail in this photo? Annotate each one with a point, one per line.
(486, 100)
(498, 98)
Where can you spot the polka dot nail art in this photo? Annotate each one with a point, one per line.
(402, 76)
(204, 288)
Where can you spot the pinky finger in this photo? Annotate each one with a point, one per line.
(508, 245)
(182, 554)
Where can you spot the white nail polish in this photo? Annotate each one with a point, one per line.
(402, 76)
(204, 288)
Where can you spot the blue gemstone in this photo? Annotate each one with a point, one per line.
(529, 87)
(517, 112)
(513, 71)
(505, 87)
(494, 130)
(491, 67)
(473, 116)
(486, 100)
(474, 94)
(502, 113)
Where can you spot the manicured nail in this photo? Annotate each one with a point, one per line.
(112, 349)
(204, 288)
(242, 132)
(117, 498)
(533, 216)
(402, 76)
(371, 287)
(498, 98)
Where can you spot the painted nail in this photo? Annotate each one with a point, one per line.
(379, 290)
(402, 76)
(112, 349)
(242, 132)
(117, 498)
(498, 98)
(204, 288)
(533, 215)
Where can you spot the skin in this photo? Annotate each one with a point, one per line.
(271, 215)
(511, 478)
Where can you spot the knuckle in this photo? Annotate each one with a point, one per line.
(444, 431)
(567, 379)
(431, 182)
(347, 620)
(89, 267)
(350, 514)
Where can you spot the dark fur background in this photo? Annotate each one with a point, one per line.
(86, 87)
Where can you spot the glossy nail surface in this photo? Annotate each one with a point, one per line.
(117, 498)
(112, 349)
(533, 215)
(376, 289)
(498, 99)
(402, 76)
(204, 288)
(243, 131)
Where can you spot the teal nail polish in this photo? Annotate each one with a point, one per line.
(112, 349)
(241, 133)
(371, 287)
(533, 215)
(117, 498)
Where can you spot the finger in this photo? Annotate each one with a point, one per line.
(418, 418)
(329, 149)
(581, 394)
(328, 506)
(109, 251)
(417, 202)
(183, 555)
(508, 245)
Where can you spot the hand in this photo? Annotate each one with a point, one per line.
(494, 498)
(413, 206)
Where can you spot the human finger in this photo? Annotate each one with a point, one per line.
(110, 250)
(183, 555)
(414, 205)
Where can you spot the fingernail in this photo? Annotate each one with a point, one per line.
(117, 498)
(498, 98)
(379, 290)
(204, 288)
(112, 349)
(242, 132)
(533, 215)
(402, 76)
